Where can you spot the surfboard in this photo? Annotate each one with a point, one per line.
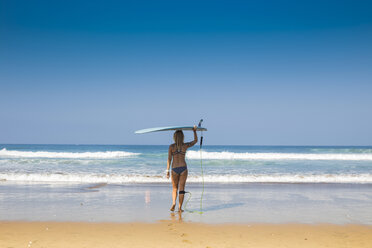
(161, 129)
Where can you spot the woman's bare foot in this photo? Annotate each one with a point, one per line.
(173, 207)
(180, 210)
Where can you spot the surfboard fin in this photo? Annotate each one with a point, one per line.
(201, 138)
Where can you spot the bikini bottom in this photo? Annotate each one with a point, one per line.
(179, 170)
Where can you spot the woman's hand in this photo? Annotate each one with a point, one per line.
(194, 129)
(167, 174)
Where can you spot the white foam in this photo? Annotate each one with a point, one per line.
(327, 178)
(121, 179)
(4, 153)
(278, 156)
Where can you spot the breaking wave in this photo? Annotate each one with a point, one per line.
(123, 179)
(4, 153)
(278, 156)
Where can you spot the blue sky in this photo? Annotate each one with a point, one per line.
(258, 72)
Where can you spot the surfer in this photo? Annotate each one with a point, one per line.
(176, 157)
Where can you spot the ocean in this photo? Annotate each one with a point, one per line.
(123, 164)
(226, 184)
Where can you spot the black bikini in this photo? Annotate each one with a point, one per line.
(179, 170)
(179, 152)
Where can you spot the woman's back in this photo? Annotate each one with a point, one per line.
(179, 154)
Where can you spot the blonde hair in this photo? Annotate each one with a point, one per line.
(178, 139)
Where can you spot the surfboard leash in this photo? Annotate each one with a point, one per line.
(202, 172)
(202, 175)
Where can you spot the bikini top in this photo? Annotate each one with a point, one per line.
(178, 152)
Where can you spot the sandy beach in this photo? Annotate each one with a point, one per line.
(178, 234)
(252, 119)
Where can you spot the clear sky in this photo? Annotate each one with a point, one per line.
(258, 72)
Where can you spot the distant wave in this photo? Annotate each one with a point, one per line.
(122, 179)
(278, 156)
(4, 153)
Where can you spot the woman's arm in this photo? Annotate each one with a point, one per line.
(192, 143)
(169, 160)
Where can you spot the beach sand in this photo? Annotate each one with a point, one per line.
(173, 233)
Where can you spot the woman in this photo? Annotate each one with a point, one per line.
(176, 156)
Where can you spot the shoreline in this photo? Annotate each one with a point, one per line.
(170, 233)
(222, 203)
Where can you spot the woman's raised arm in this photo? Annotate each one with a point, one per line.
(192, 143)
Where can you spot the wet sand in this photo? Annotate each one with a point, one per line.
(172, 233)
(255, 203)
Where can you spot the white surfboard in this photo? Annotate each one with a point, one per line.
(160, 129)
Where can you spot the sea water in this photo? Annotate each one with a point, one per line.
(221, 164)
(242, 184)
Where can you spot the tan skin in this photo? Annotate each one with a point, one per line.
(178, 160)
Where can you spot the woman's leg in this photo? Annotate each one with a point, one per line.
(175, 181)
(182, 181)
